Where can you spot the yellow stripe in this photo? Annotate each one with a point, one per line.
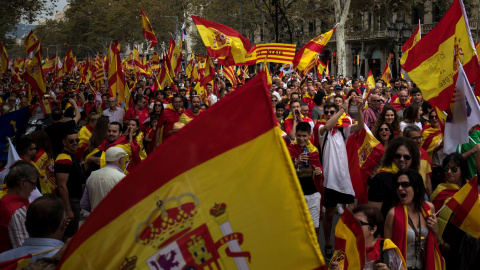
(272, 209)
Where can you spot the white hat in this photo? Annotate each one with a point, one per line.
(114, 154)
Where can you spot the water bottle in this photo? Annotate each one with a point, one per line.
(305, 164)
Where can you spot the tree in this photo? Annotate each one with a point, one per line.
(341, 18)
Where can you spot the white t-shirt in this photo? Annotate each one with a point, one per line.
(335, 161)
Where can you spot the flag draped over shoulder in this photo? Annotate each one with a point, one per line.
(222, 42)
(305, 55)
(148, 30)
(31, 42)
(33, 74)
(364, 152)
(350, 241)
(432, 63)
(466, 209)
(188, 216)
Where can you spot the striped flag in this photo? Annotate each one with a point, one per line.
(277, 52)
(349, 242)
(33, 74)
(229, 73)
(189, 217)
(31, 42)
(148, 30)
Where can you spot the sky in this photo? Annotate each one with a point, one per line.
(60, 5)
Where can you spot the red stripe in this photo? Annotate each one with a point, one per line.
(245, 126)
(462, 210)
(64, 161)
(276, 50)
(222, 28)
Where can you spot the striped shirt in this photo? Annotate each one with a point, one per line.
(16, 227)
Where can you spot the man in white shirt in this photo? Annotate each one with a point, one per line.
(212, 98)
(114, 113)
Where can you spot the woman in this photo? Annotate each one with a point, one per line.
(384, 133)
(133, 133)
(99, 134)
(157, 109)
(386, 94)
(414, 223)
(44, 161)
(389, 116)
(432, 143)
(352, 107)
(371, 222)
(457, 255)
(317, 111)
(412, 116)
(84, 135)
(426, 108)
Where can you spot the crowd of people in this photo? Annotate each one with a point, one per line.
(89, 142)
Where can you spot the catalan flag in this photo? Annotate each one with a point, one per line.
(222, 42)
(148, 30)
(31, 42)
(33, 74)
(229, 73)
(466, 209)
(387, 74)
(350, 241)
(3, 60)
(432, 63)
(277, 52)
(305, 55)
(189, 217)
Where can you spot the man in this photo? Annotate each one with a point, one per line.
(21, 181)
(417, 96)
(308, 168)
(170, 116)
(308, 98)
(138, 111)
(68, 173)
(56, 131)
(338, 100)
(400, 103)
(355, 87)
(114, 113)
(26, 149)
(102, 181)
(45, 224)
(279, 110)
(98, 97)
(332, 137)
(413, 132)
(374, 109)
(338, 90)
(192, 112)
(212, 98)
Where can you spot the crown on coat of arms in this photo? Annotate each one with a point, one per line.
(218, 209)
(168, 221)
(129, 263)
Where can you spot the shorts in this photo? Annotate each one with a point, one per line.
(313, 203)
(333, 197)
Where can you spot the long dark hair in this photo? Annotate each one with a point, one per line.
(376, 131)
(381, 118)
(100, 133)
(411, 113)
(460, 162)
(416, 182)
(393, 146)
(42, 141)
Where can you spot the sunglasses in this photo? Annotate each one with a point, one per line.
(70, 141)
(433, 117)
(329, 112)
(365, 223)
(384, 129)
(405, 157)
(403, 185)
(453, 169)
(158, 105)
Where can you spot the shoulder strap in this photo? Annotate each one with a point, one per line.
(321, 150)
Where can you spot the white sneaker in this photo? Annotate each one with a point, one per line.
(339, 209)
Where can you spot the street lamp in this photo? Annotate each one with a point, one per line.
(399, 31)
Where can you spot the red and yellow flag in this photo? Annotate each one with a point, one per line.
(320, 68)
(3, 60)
(33, 74)
(148, 30)
(431, 139)
(387, 74)
(350, 241)
(305, 55)
(327, 73)
(49, 64)
(188, 216)
(116, 79)
(222, 42)
(414, 39)
(209, 74)
(69, 62)
(18, 263)
(31, 42)
(432, 63)
(466, 209)
(277, 52)
(175, 57)
(229, 73)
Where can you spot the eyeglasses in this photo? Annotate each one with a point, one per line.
(403, 185)
(433, 117)
(329, 112)
(71, 141)
(365, 223)
(405, 157)
(157, 105)
(453, 169)
(384, 129)
(419, 138)
(33, 183)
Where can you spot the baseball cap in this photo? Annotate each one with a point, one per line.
(114, 154)
(337, 86)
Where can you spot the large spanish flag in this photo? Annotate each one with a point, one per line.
(349, 242)
(31, 42)
(466, 208)
(33, 74)
(305, 55)
(206, 212)
(222, 42)
(148, 30)
(432, 63)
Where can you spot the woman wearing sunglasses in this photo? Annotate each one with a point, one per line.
(389, 115)
(455, 171)
(412, 224)
(401, 153)
(432, 143)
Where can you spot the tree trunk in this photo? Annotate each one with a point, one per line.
(341, 17)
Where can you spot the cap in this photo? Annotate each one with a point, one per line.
(114, 153)
(337, 86)
(324, 80)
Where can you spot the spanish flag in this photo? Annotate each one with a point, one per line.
(3, 60)
(116, 79)
(305, 55)
(432, 63)
(277, 52)
(18, 263)
(189, 217)
(222, 42)
(327, 73)
(370, 83)
(69, 62)
(442, 194)
(431, 139)
(320, 68)
(387, 74)
(148, 30)
(31, 42)
(175, 57)
(33, 74)
(209, 74)
(413, 40)
(466, 209)
(349, 240)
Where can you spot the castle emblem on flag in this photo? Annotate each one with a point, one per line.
(169, 228)
(220, 39)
